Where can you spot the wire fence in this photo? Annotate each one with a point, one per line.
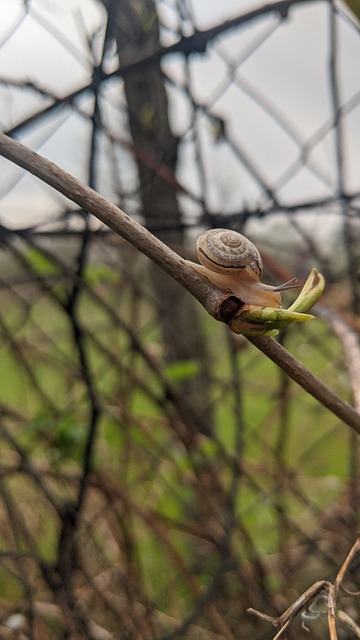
(149, 491)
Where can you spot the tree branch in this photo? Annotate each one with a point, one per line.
(295, 370)
(207, 294)
(218, 303)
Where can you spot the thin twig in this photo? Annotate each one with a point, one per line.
(302, 602)
(345, 566)
(345, 619)
(295, 370)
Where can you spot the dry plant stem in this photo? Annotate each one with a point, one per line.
(355, 549)
(345, 619)
(299, 605)
(218, 303)
(295, 608)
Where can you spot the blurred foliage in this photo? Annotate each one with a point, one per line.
(181, 521)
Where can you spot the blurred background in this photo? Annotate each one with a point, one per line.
(158, 475)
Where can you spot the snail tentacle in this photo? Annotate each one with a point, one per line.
(232, 262)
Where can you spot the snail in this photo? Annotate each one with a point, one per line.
(232, 262)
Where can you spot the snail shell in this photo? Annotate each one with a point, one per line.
(228, 252)
(232, 262)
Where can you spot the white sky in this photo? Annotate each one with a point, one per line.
(290, 70)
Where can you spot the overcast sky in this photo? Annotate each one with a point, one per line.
(288, 74)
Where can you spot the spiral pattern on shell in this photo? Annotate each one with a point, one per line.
(226, 251)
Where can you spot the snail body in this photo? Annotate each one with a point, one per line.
(232, 262)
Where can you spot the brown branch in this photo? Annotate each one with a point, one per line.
(346, 564)
(303, 601)
(351, 624)
(295, 608)
(295, 370)
(208, 295)
(219, 304)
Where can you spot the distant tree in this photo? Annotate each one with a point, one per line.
(135, 28)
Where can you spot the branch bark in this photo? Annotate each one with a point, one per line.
(221, 305)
